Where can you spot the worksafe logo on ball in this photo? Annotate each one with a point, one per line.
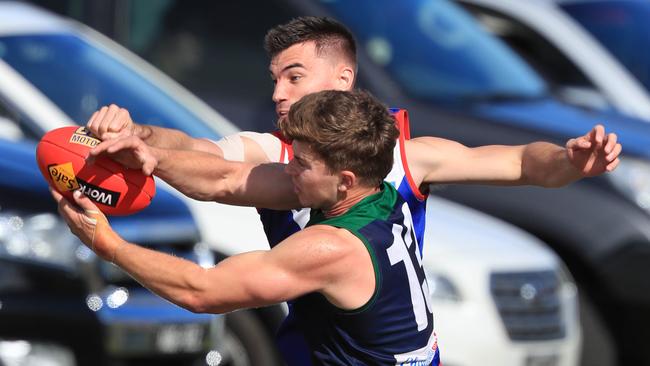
(83, 136)
(99, 194)
(63, 177)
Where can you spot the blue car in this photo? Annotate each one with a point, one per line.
(64, 306)
(621, 26)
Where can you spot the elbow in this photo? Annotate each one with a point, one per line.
(199, 305)
(201, 298)
(195, 303)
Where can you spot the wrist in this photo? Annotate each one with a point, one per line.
(141, 131)
(119, 244)
(106, 243)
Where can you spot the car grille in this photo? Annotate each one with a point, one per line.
(529, 304)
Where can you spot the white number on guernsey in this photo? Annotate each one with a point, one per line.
(399, 252)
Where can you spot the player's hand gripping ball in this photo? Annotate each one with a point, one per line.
(115, 189)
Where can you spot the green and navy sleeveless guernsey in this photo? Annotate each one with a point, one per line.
(279, 225)
(395, 327)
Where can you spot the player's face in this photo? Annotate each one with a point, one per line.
(315, 186)
(298, 71)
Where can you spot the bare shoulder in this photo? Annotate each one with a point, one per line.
(428, 143)
(323, 246)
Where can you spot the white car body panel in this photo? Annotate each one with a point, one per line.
(619, 87)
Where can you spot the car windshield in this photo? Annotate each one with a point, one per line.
(435, 50)
(79, 78)
(622, 27)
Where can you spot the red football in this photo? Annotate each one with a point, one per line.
(116, 190)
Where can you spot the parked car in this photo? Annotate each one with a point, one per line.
(481, 292)
(461, 83)
(621, 26)
(578, 69)
(61, 305)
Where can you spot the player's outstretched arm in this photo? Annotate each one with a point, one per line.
(204, 176)
(111, 122)
(253, 279)
(435, 160)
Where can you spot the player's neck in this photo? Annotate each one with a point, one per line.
(351, 198)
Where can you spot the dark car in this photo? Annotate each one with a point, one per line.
(57, 295)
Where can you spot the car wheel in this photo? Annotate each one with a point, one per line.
(247, 341)
(598, 347)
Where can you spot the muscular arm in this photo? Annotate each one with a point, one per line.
(293, 268)
(435, 160)
(168, 138)
(112, 122)
(204, 176)
(207, 177)
(319, 258)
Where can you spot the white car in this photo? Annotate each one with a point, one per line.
(500, 297)
(576, 64)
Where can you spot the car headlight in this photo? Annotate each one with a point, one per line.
(43, 237)
(632, 178)
(26, 353)
(442, 288)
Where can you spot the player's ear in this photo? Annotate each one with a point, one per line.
(347, 181)
(345, 78)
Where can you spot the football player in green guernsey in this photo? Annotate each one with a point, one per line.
(354, 274)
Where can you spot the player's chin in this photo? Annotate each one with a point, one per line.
(304, 201)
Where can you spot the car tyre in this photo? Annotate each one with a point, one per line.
(599, 348)
(248, 342)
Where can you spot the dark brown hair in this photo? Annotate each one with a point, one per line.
(328, 34)
(349, 130)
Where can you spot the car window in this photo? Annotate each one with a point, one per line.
(435, 50)
(79, 78)
(543, 56)
(622, 27)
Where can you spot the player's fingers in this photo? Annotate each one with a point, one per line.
(99, 118)
(85, 203)
(123, 144)
(56, 195)
(599, 134)
(101, 148)
(108, 119)
(67, 209)
(611, 166)
(616, 152)
(578, 143)
(91, 121)
(121, 123)
(610, 142)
